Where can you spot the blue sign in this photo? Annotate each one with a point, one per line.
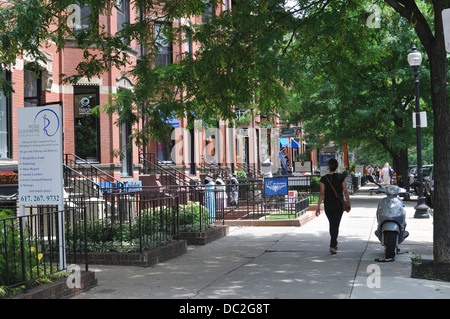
(133, 186)
(324, 158)
(276, 186)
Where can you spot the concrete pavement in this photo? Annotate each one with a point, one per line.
(285, 263)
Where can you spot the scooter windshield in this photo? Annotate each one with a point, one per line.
(391, 207)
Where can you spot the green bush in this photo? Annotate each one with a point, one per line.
(315, 184)
(6, 213)
(14, 248)
(194, 217)
(153, 225)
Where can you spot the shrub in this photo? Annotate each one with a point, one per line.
(194, 217)
(14, 249)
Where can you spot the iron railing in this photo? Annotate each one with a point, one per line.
(31, 245)
(130, 221)
(169, 174)
(80, 167)
(210, 167)
(251, 171)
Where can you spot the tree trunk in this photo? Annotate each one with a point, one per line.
(400, 166)
(437, 56)
(441, 214)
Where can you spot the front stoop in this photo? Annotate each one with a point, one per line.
(59, 289)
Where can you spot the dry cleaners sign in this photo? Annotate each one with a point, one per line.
(40, 155)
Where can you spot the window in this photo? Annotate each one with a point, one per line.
(123, 15)
(84, 17)
(209, 12)
(82, 20)
(125, 146)
(86, 124)
(5, 120)
(32, 88)
(163, 45)
(188, 43)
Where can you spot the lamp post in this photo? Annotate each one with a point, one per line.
(414, 60)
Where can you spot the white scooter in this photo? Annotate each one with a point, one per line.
(391, 215)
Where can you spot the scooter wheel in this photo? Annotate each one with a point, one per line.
(390, 244)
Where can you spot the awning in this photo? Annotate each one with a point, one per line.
(284, 142)
(295, 143)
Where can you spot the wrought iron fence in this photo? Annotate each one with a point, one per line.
(31, 245)
(130, 221)
(125, 222)
(205, 206)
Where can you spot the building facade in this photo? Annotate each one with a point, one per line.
(95, 139)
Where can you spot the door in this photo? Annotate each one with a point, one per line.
(125, 147)
(86, 124)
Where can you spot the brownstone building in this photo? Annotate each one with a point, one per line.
(93, 139)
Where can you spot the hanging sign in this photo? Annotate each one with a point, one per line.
(423, 119)
(276, 186)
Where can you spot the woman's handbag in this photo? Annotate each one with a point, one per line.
(345, 206)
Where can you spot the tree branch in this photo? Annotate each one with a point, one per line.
(409, 10)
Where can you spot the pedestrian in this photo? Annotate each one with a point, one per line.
(221, 194)
(386, 175)
(234, 194)
(332, 204)
(210, 202)
(377, 174)
(369, 170)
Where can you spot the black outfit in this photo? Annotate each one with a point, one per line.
(332, 204)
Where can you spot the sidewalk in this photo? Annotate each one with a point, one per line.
(285, 263)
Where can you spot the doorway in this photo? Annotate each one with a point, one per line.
(86, 124)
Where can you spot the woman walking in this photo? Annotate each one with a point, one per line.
(385, 175)
(331, 186)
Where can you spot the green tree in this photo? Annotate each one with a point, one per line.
(431, 35)
(245, 58)
(356, 86)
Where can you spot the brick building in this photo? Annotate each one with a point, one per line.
(94, 139)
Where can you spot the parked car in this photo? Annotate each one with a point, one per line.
(413, 175)
(429, 186)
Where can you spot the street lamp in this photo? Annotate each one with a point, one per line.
(414, 60)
